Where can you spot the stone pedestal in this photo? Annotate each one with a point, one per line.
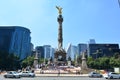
(49, 62)
(76, 63)
(69, 63)
(76, 60)
(84, 64)
(60, 57)
(35, 64)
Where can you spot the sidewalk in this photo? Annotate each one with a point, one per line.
(65, 75)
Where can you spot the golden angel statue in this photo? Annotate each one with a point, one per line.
(59, 10)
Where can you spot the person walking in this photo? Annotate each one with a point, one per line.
(58, 72)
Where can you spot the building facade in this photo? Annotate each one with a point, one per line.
(40, 51)
(81, 48)
(15, 39)
(91, 41)
(71, 51)
(100, 50)
(52, 53)
(47, 51)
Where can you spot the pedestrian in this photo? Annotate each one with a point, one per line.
(58, 72)
(0, 71)
(76, 72)
(81, 72)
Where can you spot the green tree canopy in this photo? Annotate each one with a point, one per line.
(28, 61)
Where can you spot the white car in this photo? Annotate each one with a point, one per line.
(95, 74)
(27, 74)
(12, 74)
(113, 75)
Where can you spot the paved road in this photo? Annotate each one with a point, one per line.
(52, 78)
(55, 78)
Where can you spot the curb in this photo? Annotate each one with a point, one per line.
(61, 75)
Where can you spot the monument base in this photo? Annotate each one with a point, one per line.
(35, 64)
(60, 57)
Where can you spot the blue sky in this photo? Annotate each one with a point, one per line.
(83, 20)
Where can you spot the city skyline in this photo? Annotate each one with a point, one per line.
(83, 20)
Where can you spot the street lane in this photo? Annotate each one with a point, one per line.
(52, 78)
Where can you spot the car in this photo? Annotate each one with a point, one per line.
(95, 74)
(113, 75)
(12, 74)
(27, 74)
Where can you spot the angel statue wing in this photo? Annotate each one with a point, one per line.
(59, 10)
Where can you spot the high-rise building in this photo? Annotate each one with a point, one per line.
(81, 48)
(32, 46)
(15, 39)
(71, 51)
(68, 51)
(47, 51)
(92, 41)
(52, 53)
(100, 50)
(40, 51)
(74, 52)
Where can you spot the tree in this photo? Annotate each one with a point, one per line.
(114, 62)
(41, 60)
(13, 61)
(3, 59)
(104, 63)
(90, 62)
(9, 61)
(99, 63)
(117, 55)
(28, 61)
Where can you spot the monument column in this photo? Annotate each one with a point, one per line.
(60, 20)
(60, 54)
(60, 39)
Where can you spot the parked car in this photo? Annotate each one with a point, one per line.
(27, 74)
(95, 74)
(12, 74)
(113, 75)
